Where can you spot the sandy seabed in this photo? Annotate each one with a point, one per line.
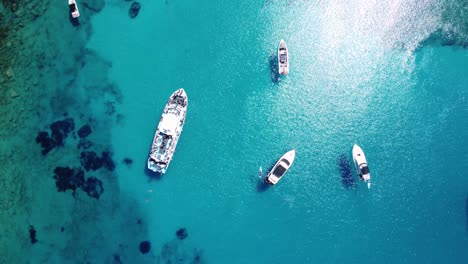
(47, 74)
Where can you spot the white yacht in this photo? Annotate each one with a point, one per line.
(75, 13)
(283, 58)
(280, 168)
(361, 165)
(168, 132)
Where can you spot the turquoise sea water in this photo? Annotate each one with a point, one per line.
(361, 72)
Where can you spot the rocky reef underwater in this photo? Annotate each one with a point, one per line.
(61, 199)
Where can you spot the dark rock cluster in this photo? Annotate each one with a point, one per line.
(182, 233)
(68, 179)
(134, 9)
(91, 161)
(32, 234)
(61, 129)
(84, 131)
(93, 187)
(46, 142)
(59, 132)
(72, 179)
(145, 247)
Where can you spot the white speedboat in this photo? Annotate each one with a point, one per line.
(361, 165)
(280, 168)
(283, 58)
(168, 132)
(75, 13)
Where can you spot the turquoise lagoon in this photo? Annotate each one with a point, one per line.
(361, 72)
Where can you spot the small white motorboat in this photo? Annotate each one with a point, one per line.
(283, 58)
(361, 165)
(75, 13)
(280, 168)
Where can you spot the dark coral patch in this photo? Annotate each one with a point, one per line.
(32, 234)
(134, 9)
(182, 233)
(93, 187)
(60, 130)
(46, 142)
(145, 247)
(68, 179)
(91, 161)
(107, 161)
(84, 131)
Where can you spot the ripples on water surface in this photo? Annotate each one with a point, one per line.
(367, 72)
(359, 74)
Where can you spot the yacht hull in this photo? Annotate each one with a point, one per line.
(73, 7)
(280, 168)
(283, 58)
(360, 162)
(168, 132)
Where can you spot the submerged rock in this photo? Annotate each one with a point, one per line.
(47, 143)
(107, 161)
(61, 129)
(128, 161)
(32, 234)
(91, 161)
(84, 131)
(134, 9)
(182, 233)
(145, 247)
(93, 187)
(68, 179)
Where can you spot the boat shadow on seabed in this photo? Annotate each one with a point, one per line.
(262, 185)
(74, 21)
(273, 62)
(346, 172)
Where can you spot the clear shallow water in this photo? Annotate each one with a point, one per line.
(359, 74)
